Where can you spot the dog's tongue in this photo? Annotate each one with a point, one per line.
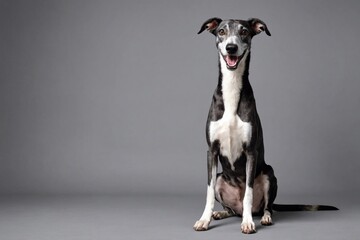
(231, 60)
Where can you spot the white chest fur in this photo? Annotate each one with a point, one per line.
(231, 132)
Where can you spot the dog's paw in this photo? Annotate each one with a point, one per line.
(248, 227)
(266, 220)
(218, 215)
(201, 225)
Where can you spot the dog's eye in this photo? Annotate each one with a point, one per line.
(243, 32)
(221, 32)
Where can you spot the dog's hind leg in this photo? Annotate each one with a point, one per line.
(270, 191)
(218, 215)
(229, 197)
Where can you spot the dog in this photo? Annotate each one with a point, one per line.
(247, 185)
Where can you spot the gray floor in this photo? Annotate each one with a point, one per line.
(160, 217)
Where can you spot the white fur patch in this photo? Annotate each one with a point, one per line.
(247, 225)
(230, 130)
(210, 197)
(248, 202)
(232, 133)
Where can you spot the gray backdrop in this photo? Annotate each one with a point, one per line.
(112, 96)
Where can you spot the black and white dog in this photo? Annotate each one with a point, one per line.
(234, 135)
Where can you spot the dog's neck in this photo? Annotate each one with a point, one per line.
(231, 82)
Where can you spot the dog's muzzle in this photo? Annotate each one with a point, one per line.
(231, 59)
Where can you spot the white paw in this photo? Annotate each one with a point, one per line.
(201, 225)
(248, 227)
(266, 220)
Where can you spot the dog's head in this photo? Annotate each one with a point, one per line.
(233, 37)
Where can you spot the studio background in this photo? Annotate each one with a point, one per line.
(112, 96)
(103, 107)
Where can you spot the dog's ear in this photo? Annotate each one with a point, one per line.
(210, 25)
(258, 26)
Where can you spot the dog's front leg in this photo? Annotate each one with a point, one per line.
(248, 225)
(203, 223)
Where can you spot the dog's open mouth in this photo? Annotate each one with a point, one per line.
(233, 61)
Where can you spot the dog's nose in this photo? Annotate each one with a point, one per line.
(231, 48)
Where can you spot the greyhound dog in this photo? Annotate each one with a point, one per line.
(234, 135)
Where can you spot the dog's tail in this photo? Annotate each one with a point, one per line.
(301, 207)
